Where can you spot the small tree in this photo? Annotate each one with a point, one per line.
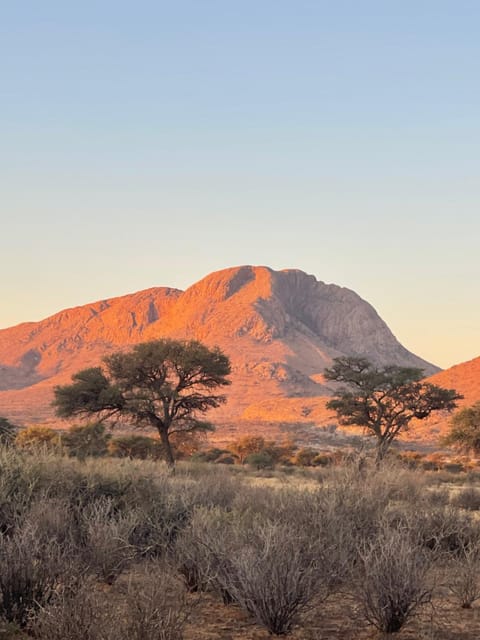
(465, 430)
(84, 440)
(384, 400)
(165, 384)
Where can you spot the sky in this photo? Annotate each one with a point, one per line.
(149, 143)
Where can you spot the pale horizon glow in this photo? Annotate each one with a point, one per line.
(150, 144)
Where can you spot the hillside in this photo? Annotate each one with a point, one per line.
(280, 329)
(465, 378)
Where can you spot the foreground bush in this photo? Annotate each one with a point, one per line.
(75, 613)
(107, 549)
(156, 606)
(465, 581)
(271, 569)
(29, 571)
(275, 576)
(394, 581)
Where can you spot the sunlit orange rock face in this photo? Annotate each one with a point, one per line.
(280, 329)
(465, 378)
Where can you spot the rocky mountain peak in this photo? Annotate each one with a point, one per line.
(280, 329)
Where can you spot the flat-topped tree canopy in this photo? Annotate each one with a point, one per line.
(166, 384)
(384, 400)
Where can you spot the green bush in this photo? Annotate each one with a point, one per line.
(85, 440)
(454, 467)
(210, 455)
(135, 446)
(260, 460)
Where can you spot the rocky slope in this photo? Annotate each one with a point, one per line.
(280, 329)
(465, 378)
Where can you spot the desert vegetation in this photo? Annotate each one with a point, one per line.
(165, 384)
(384, 400)
(97, 548)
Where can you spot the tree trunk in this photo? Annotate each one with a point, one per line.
(167, 447)
(382, 448)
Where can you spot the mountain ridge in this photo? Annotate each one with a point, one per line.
(280, 329)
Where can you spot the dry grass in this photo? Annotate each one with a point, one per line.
(259, 554)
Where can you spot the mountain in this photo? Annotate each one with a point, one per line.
(280, 329)
(464, 378)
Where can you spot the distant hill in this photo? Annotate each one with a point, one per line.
(465, 378)
(280, 329)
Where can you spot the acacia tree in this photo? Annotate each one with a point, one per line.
(384, 400)
(165, 384)
(465, 429)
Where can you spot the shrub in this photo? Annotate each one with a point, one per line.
(274, 575)
(107, 540)
(93, 486)
(468, 498)
(443, 529)
(156, 606)
(260, 460)
(135, 446)
(454, 467)
(16, 488)
(218, 487)
(210, 455)
(53, 522)
(438, 497)
(160, 520)
(36, 436)
(75, 613)
(225, 459)
(8, 431)
(28, 574)
(272, 569)
(411, 459)
(187, 443)
(358, 501)
(85, 440)
(394, 581)
(305, 457)
(464, 433)
(247, 445)
(323, 460)
(203, 548)
(465, 581)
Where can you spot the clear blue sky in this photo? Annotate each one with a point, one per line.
(148, 143)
